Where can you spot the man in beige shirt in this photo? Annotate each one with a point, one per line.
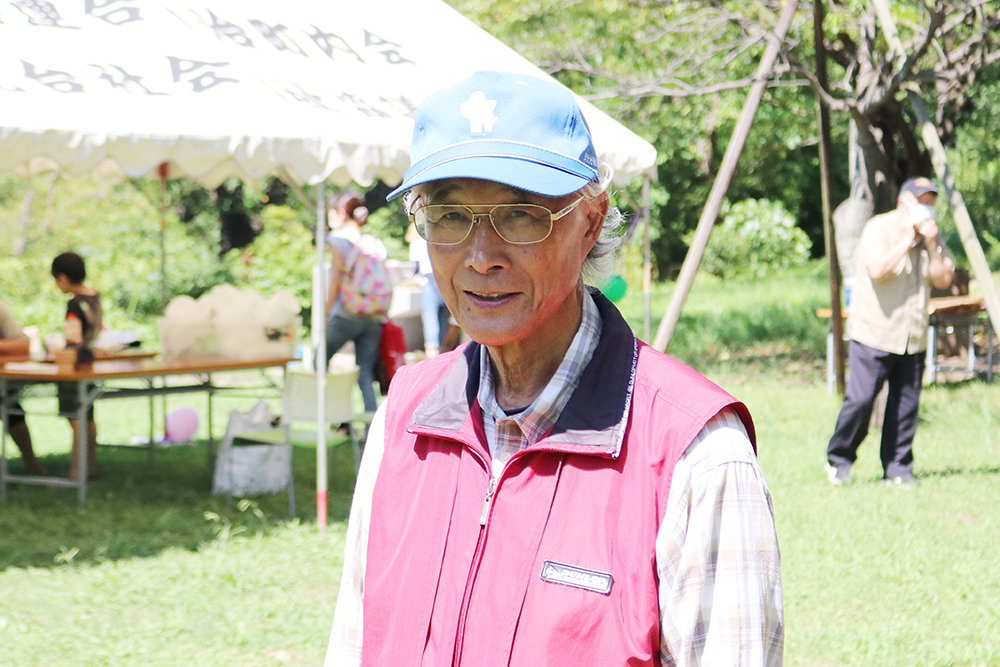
(900, 256)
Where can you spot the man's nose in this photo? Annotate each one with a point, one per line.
(486, 247)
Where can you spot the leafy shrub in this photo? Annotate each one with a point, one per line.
(756, 236)
(280, 258)
(991, 249)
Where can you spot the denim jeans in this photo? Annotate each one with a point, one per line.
(366, 332)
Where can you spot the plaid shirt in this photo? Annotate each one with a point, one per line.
(717, 553)
(507, 435)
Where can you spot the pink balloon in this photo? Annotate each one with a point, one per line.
(182, 424)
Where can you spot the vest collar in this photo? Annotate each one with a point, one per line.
(595, 418)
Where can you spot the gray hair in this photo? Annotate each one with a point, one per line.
(600, 261)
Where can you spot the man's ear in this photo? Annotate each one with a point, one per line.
(598, 210)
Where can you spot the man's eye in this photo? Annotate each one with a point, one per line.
(525, 216)
(454, 217)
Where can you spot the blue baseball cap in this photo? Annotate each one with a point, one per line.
(503, 127)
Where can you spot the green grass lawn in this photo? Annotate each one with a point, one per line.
(157, 571)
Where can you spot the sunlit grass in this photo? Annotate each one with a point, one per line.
(157, 571)
(735, 319)
(876, 575)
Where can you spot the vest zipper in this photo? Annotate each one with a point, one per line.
(477, 558)
(488, 500)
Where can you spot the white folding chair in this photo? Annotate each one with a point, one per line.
(300, 400)
(244, 469)
(249, 462)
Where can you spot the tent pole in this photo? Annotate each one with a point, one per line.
(647, 264)
(711, 211)
(319, 335)
(163, 171)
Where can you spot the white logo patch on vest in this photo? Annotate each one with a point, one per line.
(577, 577)
(479, 111)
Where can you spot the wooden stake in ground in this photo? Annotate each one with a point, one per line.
(711, 211)
(829, 237)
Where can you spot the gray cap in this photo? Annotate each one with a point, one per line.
(918, 186)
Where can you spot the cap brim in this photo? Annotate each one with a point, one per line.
(540, 179)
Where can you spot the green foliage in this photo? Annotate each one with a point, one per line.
(723, 320)
(620, 55)
(389, 224)
(282, 257)
(756, 237)
(991, 249)
(975, 159)
(117, 229)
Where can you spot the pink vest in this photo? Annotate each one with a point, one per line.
(558, 568)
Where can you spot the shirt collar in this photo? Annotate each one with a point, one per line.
(535, 421)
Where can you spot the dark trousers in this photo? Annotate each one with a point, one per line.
(869, 370)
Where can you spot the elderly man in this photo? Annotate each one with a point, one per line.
(555, 492)
(900, 256)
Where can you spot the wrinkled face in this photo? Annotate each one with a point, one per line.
(501, 293)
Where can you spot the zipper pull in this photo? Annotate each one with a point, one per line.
(486, 502)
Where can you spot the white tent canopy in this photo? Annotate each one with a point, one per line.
(313, 91)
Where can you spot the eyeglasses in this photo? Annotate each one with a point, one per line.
(520, 224)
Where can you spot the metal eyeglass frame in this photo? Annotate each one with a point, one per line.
(558, 215)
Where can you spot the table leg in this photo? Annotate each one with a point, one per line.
(5, 419)
(972, 348)
(932, 354)
(830, 372)
(211, 439)
(151, 443)
(151, 384)
(81, 443)
(989, 350)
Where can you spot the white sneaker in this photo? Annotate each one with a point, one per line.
(909, 482)
(838, 476)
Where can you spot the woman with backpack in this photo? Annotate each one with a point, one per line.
(360, 291)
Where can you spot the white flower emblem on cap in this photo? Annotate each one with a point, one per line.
(479, 111)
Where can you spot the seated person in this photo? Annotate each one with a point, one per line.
(83, 324)
(14, 347)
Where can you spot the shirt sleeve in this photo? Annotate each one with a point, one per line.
(717, 556)
(344, 649)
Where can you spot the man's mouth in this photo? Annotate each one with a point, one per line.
(488, 296)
